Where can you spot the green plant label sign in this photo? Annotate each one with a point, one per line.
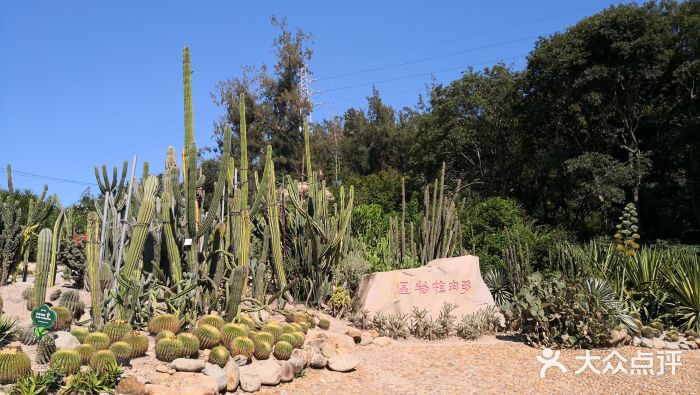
(43, 316)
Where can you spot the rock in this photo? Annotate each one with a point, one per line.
(301, 354)
(318, 361)
(218, 374)
(65, 340)
(374, 333)
(286, 371)
(658, 344)
(269, 371)
(636, 341)
(309, 351)
(130, 385)
(328, 350)
(690, 345)
(240, 360)
(697, 342)
(298, 364)
(366, 339)
(184, 383)
(672, 346)
(646, 343)
(683, 346)
(162, 369)
(356, 334)
(382, 341)
(458, 282)
(233, 376)
(188, 365)
(249, 379)
(343, 363)
(617, 336)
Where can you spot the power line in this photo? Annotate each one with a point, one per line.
(48, 178)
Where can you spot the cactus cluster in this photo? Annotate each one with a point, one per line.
(274, 329)
(219, 356)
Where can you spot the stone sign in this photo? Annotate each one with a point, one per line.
(454, 280)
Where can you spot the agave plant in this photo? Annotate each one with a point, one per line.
(497, 282)
(682, 281)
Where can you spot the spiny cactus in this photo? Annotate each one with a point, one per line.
(26, 335)
(231, 331)
(299, 339)
(102, 360)
(262, 350)
(236, 286)
(283, 350)
(287, 337)
(138, 343)
(165, 321)
(274, 329)
(14, 364)
(70, 299)
(68, 360)
(165, 334)
(208, 336)
(219, 356)
(45, 348)
(122, 351)
(287, 328)
(86, 351)
(92, 267)
(242, 346)
(657, 325)
(213, 320)
(80, 333)
(324, 323)
(167, 350)
(99, 340)
(190, 344)
(655, 332)
(116, 330)
(28, 293)
(55, 294)
(266, 337)
(303, 327)
(247, 321)
(64, 318)
(43, 260)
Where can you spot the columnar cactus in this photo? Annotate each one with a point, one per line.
(68, 360)
(140, 231)
(43, 261)
(236, 285)
(219, 356)
(93, 267)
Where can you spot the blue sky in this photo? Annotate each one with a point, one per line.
(92, 82)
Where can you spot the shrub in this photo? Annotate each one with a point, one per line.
(477, 324)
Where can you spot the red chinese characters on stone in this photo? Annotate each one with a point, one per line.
(437, 287)
(403, 288)
(466, 286)
(422, 288)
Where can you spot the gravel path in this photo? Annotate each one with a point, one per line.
(488, 366)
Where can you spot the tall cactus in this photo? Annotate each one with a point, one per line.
(138, 236)
(43, 260)
(93, 267)
(55, 244)
(236, 283)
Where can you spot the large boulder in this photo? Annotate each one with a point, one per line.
(218, 374)
(184, 383)
(454, 280)
(343, 363)
(249, 379)
(65, 340)
(188, 365)
(269, 371)
(233, 375)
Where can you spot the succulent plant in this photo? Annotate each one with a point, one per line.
(138, 342)
(690, 338)
(299, 339)
(247, 321)
(208, 336)
(98, 339)
(26, 335)
(287, 328)
(122, 351)
(266, 337)
(657, 325)
(14, 364)
(304, 327)
(635, 315)
(70, 299)
(190, 344)
(55, 294)
(262, 350)
(116, 330)
(274, 329)
(242, 346)
(45, 348)
(231, 331)
(287, 337)
(690, 333)
(64, 319)
(102, 360)
(86, 351)
(282, 350)
(299, 317)
(28, 293)
(219, 356)
(213, 320)
(673, 337)
(168, 350)
(655, 332)
(324, 323)
(647, 332)
(80, 333)
(164, 322)
(68, 360)
(165, 334)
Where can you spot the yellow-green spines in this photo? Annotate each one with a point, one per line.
(274, 329)
(213, 320)
(138, 342)
(45, 349)
(190, 344)
(69, 360)
(79, 333)
(85, 351)
(299, 317)
(98, 339)
(116, 330)
(64, 318)
(324, 323)
(102, 359)
(299, 339)
(287, 337)
(303, 326)
(165, 334)
(168, 350)
(266, 337)
(165, 321)
(219, 356)
(248, 321)
(208, 336)
(122, 351)
(231, 331)
(14, 364)
(657, 325)
(311, 322)
(262, 350)
(283, 350)
(287, 328)
(242, 346)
